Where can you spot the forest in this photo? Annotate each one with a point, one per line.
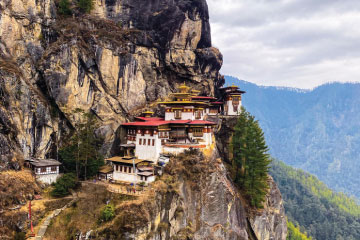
(315, 208)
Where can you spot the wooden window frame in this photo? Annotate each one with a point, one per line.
(177, 114)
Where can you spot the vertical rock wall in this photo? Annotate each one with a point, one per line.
(113, 62)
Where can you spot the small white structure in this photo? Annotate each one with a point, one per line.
(132, 170)
(232, 100)
(106, 173)
(45, 170)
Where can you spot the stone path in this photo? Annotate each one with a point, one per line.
(42, 230)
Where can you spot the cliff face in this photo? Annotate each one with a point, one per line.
(114, 62)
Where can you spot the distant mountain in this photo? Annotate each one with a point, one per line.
(310, 204)
(318, 130)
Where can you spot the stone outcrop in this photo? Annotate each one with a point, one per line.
(271, 222)
(113, 62)
(195, 199)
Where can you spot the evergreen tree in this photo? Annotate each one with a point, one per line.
(250, 159)
(86, 5)
(81, 154)
(64, 7)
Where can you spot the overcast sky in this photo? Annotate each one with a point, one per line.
(295, 43)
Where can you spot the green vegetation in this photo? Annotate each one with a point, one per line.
(314, 130)
(81, 154)
(20, 236)
(63, 185)
(250, 162)
(107, 213)
(86, 5)
(294, 233)
(64, 8)
(313, 207)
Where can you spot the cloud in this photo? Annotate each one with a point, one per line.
(296, 43)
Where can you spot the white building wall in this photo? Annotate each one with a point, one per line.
(148, 152)
(230, 107)
(48, 178)
(187, 116)
(126, 177)
(148, 180)
(169, 116)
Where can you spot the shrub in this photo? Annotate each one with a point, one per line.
(20, 236)
(86, 5)
(63, 185)
(64, 8)
(107, 213)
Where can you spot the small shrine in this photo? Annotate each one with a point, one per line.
(45, 170)
(232, 100)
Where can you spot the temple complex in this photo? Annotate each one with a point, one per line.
(184, 126)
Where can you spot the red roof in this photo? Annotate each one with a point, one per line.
(159, 123)
(149, 123)
(147, 119)
(201, 122)
(216, 102)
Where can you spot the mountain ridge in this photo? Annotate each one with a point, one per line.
(315, 131)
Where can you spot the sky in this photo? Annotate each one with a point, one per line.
(292, 43)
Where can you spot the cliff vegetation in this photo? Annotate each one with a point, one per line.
(311, 205)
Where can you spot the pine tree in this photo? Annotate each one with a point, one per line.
(250, 159)
(86, 5)
(81, 154)
(64, 7)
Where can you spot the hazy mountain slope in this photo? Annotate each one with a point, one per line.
(323, 214)
(317, 130)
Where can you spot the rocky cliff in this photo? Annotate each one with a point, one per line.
(193, 199)
(113, 62)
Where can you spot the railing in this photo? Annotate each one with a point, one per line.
(178, 135)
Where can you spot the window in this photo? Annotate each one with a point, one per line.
(198, 132)
(198, 114)
(129, 169)
(149, 142)
(120, 168)
(43, 169)
(162, 141)
(177, 114)
(54, 168)
(125, 169)
(153, 142)
(139, 141)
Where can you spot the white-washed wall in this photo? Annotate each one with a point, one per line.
(231, 111)
(47, 178)
(148, 152)
(169, 116)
